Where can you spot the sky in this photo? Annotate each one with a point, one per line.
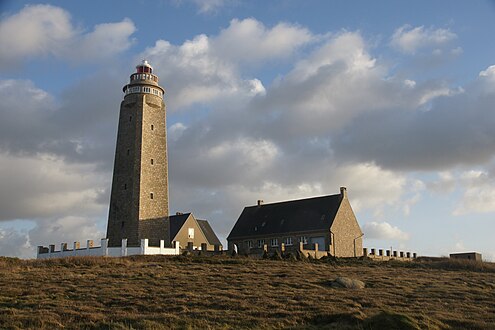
(271, 100)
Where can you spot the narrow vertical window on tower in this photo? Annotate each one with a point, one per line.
(152, 127)
(130, 118)
(128, 152)
(151, 161)
(151, 195)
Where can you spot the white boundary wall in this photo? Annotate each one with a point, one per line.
(104, 251)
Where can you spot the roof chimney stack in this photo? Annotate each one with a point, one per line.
(343, 192)
(260, 202)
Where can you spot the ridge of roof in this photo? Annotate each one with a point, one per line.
(294, 200)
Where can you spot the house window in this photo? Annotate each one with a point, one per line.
(249, 244)
(303, 239)
(261, 242)
(190, 232)
(274, 242)
(151, 195)
(288, 241)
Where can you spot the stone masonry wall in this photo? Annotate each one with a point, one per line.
(154, 176)
(346, 240)
(140, 178)
(124, 201)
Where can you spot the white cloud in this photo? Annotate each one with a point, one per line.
(23, 242)
(479, 193)
(410, 39)
(254, 42)
(489, 73)
(105, 41)
(207, 69)
(211, 6)
(42, 30)
(38, 30)
(41, 186)
(383, 230)
(15, 243)
(370, 186)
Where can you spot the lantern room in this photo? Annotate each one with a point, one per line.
(144, 67)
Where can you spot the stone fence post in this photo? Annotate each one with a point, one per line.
(123, 248)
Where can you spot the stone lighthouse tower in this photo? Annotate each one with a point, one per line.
(139, 197)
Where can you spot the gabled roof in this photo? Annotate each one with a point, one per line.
(304, 215)
(209, 233)
(176, 223)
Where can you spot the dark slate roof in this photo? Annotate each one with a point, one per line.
(209, 233)
(304, 215)
(176, 223)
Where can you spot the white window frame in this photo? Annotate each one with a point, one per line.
(288, 241)
(303, 239)
(190, 232)
(274, 242)
(261, 242)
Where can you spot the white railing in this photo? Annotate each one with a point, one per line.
(104, 250)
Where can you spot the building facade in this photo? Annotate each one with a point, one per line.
(139, 196)
(192, 233)
(326, 223)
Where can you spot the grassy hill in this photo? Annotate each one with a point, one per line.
(157, 292)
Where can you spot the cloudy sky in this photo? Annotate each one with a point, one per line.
(269, 100)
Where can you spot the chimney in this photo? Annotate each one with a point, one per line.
(343, 192)
(260, 202)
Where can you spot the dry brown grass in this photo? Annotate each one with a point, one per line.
(156, 292)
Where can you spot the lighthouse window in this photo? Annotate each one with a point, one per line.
(151, 195)
(152, 127)
(125, 186)
(151, 161)
(130, 118)
(128, 152)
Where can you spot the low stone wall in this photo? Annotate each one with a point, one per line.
(104, 251)
(309, 250)
(381, 254)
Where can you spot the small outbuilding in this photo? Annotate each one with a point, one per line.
(325, 223)
(474, 256)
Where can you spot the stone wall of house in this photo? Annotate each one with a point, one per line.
(346, 236)
(197, 239)
(243, 245)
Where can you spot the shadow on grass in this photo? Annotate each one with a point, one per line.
(382, 320)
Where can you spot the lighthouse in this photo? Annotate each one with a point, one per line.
(139, 202)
